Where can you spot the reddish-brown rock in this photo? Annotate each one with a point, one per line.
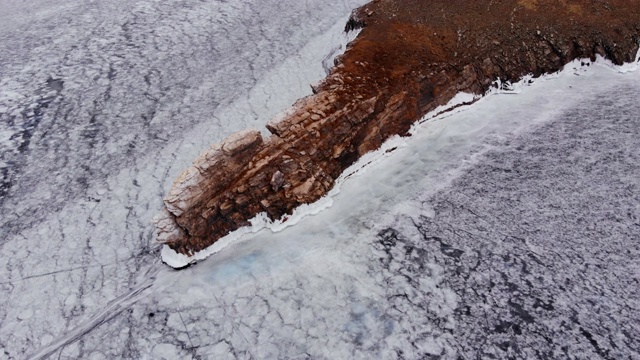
(410, 57)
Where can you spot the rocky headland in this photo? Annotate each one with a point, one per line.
(410, 57)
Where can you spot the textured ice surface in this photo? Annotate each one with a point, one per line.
(505, 228)
(102, 105)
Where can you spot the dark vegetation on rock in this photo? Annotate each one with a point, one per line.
(411, 57)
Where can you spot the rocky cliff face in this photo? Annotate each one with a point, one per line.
(411, 57)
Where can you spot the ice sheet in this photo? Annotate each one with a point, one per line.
(340, 283)
(102, 105)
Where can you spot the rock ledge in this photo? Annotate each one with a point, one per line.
(411, 57)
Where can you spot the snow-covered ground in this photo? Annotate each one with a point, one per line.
(102, 105)
(509, 227)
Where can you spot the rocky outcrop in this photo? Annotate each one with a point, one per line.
(411, 57)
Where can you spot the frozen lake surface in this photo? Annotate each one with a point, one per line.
(507, 229)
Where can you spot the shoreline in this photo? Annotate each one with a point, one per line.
(393, 74)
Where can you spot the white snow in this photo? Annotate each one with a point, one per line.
(95, 243)
(316, 288)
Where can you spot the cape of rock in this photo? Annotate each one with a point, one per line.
(411, 57)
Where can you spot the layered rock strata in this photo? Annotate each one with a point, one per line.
(411, 57)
